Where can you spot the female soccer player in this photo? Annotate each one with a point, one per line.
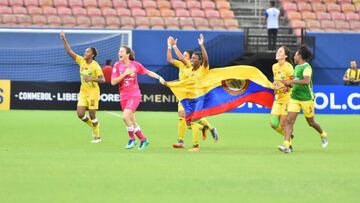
(91, 75)
(125, 74)
(282, 70)
(302, 97)
(185, 71)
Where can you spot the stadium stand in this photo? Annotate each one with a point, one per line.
(121, 14)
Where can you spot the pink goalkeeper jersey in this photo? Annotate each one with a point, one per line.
(128, 87)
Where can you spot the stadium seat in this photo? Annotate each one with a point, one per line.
(4, 3)
(19, 10)
(345, 1)
(39, 20)
(178, 5)
(64, 11)
(167, 12)
(352, 16)
(112, 22)
(329, 1)
(331, 7)
(297, 24)
(127, 23)
(152, 12)
(187, 23)
(142, 23)
(164, 4)
(34, 10)
(217, 24)
(98, 22)
(16, 2)
(134, 4)
(92, 11)
(28, 3)
(157, 23)
(46, 3)
(149, 4)
(357, 7)
(136, 12)
(304, 6)
(355, 26)
(223, 5)
(105, 4)
(192, 4)
(172, 23)
(24, 20)
(182, 13)
(227, 14)
(318, 7)
(107, 11)
(313, 24)
(76, 3)
(68, 21)
(208, 5)
(5, 10)
(337, 16)
(307, 15)
(197, 13)
(202, 24)
(342, 26)
(347, 8)
(212, 14)
(293, 15)
(119, 4)
(123, 12)
(290, 7)
(60, 3)
(9, 20)
(83, 21)
(47, 10)
(231, 24)
(79, 11)
(53, 21)
(323, 16)
(90, 3)
(328, 25)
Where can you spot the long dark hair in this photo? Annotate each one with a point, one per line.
(288, 54)
(305, 53)
(94, 51)
(129, 51)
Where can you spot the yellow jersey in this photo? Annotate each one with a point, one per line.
(284, 72)
(184, 69)
(353, 74)
(93, 69)
(201, 71)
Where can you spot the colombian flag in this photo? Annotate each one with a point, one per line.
(221, 90)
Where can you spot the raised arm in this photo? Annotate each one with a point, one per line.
(203, 51)
(178, 53)
(67, 46)
(169, 57)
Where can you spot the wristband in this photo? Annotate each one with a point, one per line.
(169, 47)
(174, 46)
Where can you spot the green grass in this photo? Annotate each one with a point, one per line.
(46, 156)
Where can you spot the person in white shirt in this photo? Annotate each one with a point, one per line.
(272, 16)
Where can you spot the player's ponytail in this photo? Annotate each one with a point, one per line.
(130, 52)
(288, 54)
(94, 51)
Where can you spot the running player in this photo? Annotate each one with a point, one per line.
(185, 70)
(125, 74)
(91, 75)
(282, 70)
(302, 97)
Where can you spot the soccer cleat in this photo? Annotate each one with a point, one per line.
(96, 140)
(131, 144)
(143, 145)
(285, 149)
(324, 142)
(203, 130)
(214, 134)
(195, 148)
(179, 144)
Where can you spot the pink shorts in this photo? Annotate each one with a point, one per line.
(131, 103)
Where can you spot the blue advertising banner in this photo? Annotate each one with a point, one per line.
(328, 100)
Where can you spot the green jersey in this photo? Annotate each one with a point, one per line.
(302, 92)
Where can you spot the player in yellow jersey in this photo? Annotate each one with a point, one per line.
(282, 70)
(185, 71)
(91, 75)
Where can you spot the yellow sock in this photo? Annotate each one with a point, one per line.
(287, 143)
(88, 122)
(280, 130)
(96, 131)
(323, 134)
(205, 122)
(181, 128)
(195, 128)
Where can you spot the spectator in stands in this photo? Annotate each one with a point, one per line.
(352, 74)
(272, 16)
(107, 70)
